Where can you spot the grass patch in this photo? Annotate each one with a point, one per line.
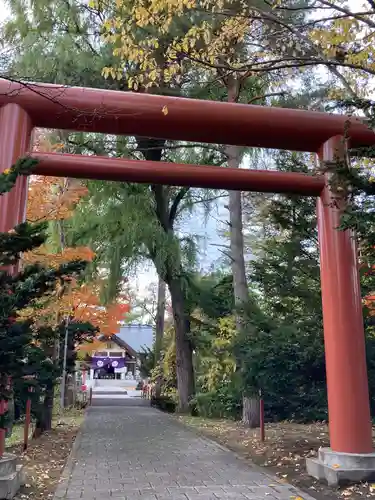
(71, 417)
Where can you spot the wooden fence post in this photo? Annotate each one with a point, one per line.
(2, 430)
(261, 417)
(27, 421)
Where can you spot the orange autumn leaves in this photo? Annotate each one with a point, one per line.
(54, 199)
(46, 258)
(83, 303)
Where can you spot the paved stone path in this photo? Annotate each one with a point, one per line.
(133, 452)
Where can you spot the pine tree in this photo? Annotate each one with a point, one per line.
(284, 356)
(286, 269)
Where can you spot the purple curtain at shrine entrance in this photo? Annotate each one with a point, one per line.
(104, 362)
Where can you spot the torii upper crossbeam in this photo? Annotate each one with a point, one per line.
(128, 113)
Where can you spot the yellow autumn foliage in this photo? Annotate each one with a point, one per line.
(158, 55)
(162, 38)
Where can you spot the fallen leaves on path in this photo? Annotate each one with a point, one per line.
(284, 452)
(44, 462)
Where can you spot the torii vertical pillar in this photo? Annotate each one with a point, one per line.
(350, 457)
(15, 137)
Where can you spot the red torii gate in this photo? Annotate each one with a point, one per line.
(24, 106)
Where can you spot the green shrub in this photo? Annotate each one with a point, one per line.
(164, 403)
(222, 403)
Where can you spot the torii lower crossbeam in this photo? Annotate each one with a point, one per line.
(202, 176)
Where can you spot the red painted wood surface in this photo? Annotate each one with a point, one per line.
(117, 169)
(344, 339)
(129, 113)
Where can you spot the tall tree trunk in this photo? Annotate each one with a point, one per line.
(159, 331)
(250, 415)
(152, 150)
(44, 421)
(184, 350)
(241, 292)
(48, 406)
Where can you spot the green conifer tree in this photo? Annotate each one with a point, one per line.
(21, 351)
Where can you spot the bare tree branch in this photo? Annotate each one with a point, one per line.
(349, 13)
